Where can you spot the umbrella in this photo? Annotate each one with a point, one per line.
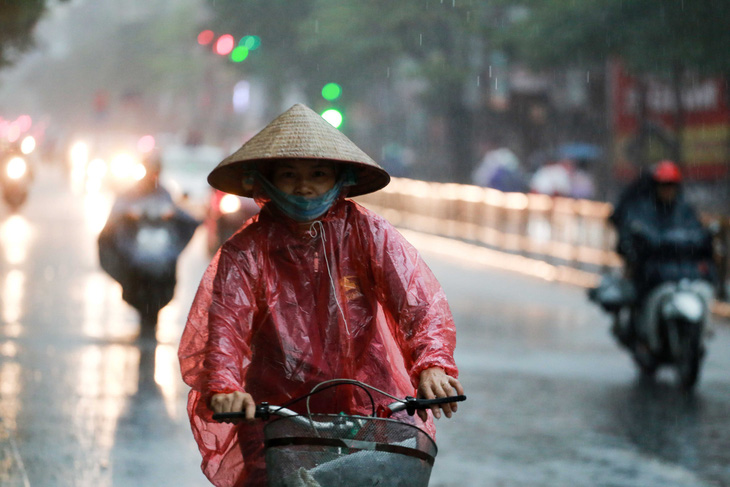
(579, 150)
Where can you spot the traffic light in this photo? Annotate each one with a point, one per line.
(224, 45)
(250, 42)
(205, 37)
(333, 116)
(238, 54)
(331, 92)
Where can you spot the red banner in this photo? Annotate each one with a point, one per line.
(705, 136)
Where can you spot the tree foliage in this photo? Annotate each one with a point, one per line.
(17, 21)
(649, 36)
(358, 42)
(279, 24)
(446, 45)
(146, 64)
(365, 45)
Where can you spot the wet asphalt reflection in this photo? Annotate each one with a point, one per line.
(82, 402)
(552, 401)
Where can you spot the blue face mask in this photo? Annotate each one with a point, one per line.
(303, 209)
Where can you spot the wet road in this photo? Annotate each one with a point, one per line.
(552, 401)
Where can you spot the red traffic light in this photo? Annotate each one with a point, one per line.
(205, 37)
(224, 45)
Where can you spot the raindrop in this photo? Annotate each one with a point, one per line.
(478, 81)
(316, 26)
(420, 39)
(496, 84)
(387, 72)
(490, 71)
(588, 76)
(453, 3)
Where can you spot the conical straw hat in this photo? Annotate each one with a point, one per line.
(298, 133)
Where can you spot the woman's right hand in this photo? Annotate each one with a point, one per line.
(234, 402)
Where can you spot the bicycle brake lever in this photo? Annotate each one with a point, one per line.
(411, 405)
(263, 411)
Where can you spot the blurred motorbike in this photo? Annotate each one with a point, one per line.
(15, 178)
(140, 251)
(675, 329)
(669, 326)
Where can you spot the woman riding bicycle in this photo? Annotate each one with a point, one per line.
(315, 287)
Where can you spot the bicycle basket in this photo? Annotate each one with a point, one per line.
(344, 450)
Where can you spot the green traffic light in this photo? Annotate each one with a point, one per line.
(239, 54)
(333, 116)
(331, 91)
(250, 42)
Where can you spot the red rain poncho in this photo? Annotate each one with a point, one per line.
(266, 321)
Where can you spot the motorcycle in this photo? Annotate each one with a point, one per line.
(140, 251)
(15, 179)
(668, 325)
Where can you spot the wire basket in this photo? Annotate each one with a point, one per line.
(353, 451)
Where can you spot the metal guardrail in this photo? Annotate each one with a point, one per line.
(566, 232)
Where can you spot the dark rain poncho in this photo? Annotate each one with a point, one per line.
(266, 321)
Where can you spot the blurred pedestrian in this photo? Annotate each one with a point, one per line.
(582, 185)
(500, 169)
(553, 179)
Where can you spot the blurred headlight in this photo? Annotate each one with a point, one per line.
(229, 204)
(139, 171)
(16, 168)
(123, 166)
(96, 169)
(79, 154)
(27, 145)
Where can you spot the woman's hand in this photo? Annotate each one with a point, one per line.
(234, 402)
(435, 383)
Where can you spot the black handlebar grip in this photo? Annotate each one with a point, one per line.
(226, 416)
(412, 403)
(441, 400)
(262, 411)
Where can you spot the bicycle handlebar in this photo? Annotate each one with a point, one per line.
(410, 405)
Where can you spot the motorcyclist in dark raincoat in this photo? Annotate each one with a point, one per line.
(141, 241)
(660, 235)
(315, 287)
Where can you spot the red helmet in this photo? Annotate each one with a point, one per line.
(666, 172)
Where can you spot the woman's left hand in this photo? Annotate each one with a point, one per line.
(434, 383)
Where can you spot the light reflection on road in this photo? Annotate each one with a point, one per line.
(15, 236)
(67, 335)
(106, 316)
(167, 377)
(12, 299)
(106, 377)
